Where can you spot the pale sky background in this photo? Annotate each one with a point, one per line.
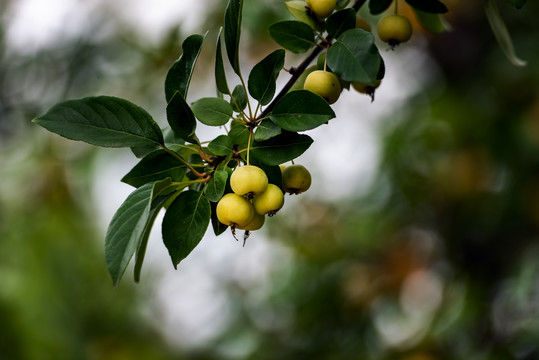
(190, 302)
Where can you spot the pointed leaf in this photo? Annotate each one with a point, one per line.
(185, 223)
(220, 75)
(239, 98)
(341, 21)
(500, 32)
(181, 119)
(262, 78)
(281, 149)
(233, 14)
(222, 145)
(354, 57)
(266, 130)
(301, 110)
(156, 166)
(103, 121)
(215, 188)
(293, 35)
(212, 111)
(127, 228)
(179, 75)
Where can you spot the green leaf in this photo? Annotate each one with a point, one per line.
(500, 32)
(430, 6)
(212, 111)
(354, 57)
(157, 165)
(185, 223)
(298, 9)
(220, 75)
(222, 145)
(266, 130)
(293, 35)
(157, 204)
(127, 228)
(181, 119)
(240, 97)
(378, 6)
(103, 121)
(179, 75)
(434, 23)
(261, 83)
(239, 133)
(301, 110)
(281, 149)
(218, 227)
(518, 3)
(215, 188)
(341, 21)
(232, 24)
(341, 4)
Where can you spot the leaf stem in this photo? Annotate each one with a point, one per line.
(183, 161)
(249, 143)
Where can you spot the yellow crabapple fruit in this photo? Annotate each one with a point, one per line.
(256, 223)
(270, 201)
(322, 8)
(325, 84)
(296, 179)
(394, 29)
(234, 210)
(248, 179)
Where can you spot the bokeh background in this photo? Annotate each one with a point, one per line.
(417, 241)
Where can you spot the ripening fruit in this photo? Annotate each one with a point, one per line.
(394, 29)
(270, 201)
(234, 210)
(256, 223)
(248, 179)
(322, 8)
(296, 179)
(325, 84)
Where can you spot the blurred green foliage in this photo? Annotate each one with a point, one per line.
(438, 260)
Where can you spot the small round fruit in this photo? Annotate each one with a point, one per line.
(325, 84)
(248, 179)
(234, 210)
(296, 179)
(394, 29)
(256, 223)
(270, 201)
(322, 8)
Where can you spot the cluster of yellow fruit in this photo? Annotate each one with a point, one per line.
(392, 29)
(252, 197)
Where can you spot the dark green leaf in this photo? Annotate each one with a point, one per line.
(142, 151)
(239, 133)
(378, 6)
(262, 78)
(181, 119)
(220, 75)
(266, 130)
(500, 32)
(157, 204)
(301, 110)
(293, 35)
(354, 57)
(233, 15)
(281, 149)
(430, 6)
(104, 121)
(185, 223)
(222, 145)
(179, 75)
(341, 21)
(216, 186)
(239, 98)
(128, 227)
(212, 111)
(158, 165)
(218, 227)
